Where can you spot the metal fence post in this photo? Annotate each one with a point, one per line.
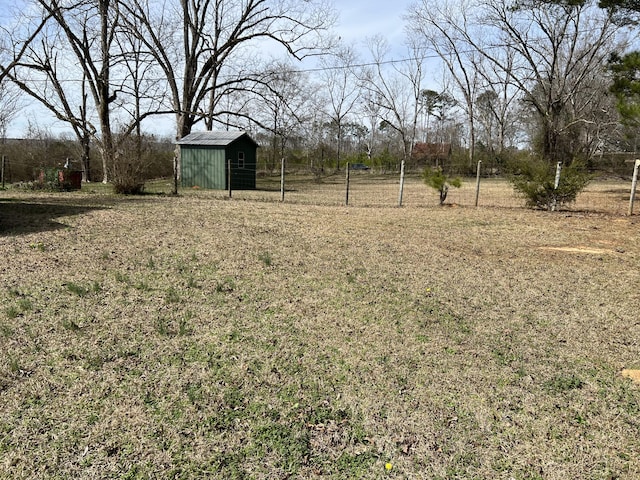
(282, 180)
(400, 193)
(229, 173)
(556, 184)
(478, 182)
(346, 200)
(634, 184)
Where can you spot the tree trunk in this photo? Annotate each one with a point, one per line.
(104, 98)
(85, 142)
(184, 125)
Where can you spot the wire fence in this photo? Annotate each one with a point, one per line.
(373, 189)
(367, 189)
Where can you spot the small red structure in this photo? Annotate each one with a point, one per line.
(61, 178)
(434, 154)
(71, 179)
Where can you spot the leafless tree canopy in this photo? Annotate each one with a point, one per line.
(486, 77)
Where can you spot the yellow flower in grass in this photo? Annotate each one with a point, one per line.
(388, 466)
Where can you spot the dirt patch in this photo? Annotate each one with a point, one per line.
(632, 374)
(594, 251)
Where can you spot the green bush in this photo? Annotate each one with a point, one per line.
(385, 161)
(436, 179)
(534, 179)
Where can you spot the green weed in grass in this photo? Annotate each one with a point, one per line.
(142, 286)
(14, 292)
(287, 445)
(183, 324)
(192, 282)
(96, 361)
(226, 285)
(122, 278)
(70, 325)
(77, 289)
(353, 465)
(564, 383)
(6, 330)
(172, 296)
(25, 305)
(227, 464)
(37, 246)
(14, 365)
(162, 326)
(265, 258)
(12, 311)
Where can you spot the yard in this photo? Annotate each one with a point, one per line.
(202, 337)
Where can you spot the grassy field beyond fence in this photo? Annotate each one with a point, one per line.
(199, 337)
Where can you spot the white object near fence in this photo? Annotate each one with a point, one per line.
(282, 180)
(556, 184)
(634, 183)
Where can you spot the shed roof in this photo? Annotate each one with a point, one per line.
(213, 138)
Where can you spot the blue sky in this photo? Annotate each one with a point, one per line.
(359, 19)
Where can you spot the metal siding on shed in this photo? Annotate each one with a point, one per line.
(204, 157)
(203, 167)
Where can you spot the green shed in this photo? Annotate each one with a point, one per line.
(205, 156)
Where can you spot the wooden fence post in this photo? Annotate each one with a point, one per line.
(175, 173)
(2, 170)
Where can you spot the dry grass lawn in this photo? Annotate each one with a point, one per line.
(198, 337)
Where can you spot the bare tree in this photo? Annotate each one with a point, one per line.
(552, 53)
(9, 106)
(395, 91)
(16, 38)
(437, 25)
(72, 62)
(282, 103)
(342, 90)
(560, 51)
(71, 40)
(197, 43)
(496, 104)
(140, 94)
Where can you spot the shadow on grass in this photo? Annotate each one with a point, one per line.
(23, 216)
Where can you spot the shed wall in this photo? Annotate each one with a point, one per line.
(243, 177)
(203, 167)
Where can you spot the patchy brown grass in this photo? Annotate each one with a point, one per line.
(197, 337)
